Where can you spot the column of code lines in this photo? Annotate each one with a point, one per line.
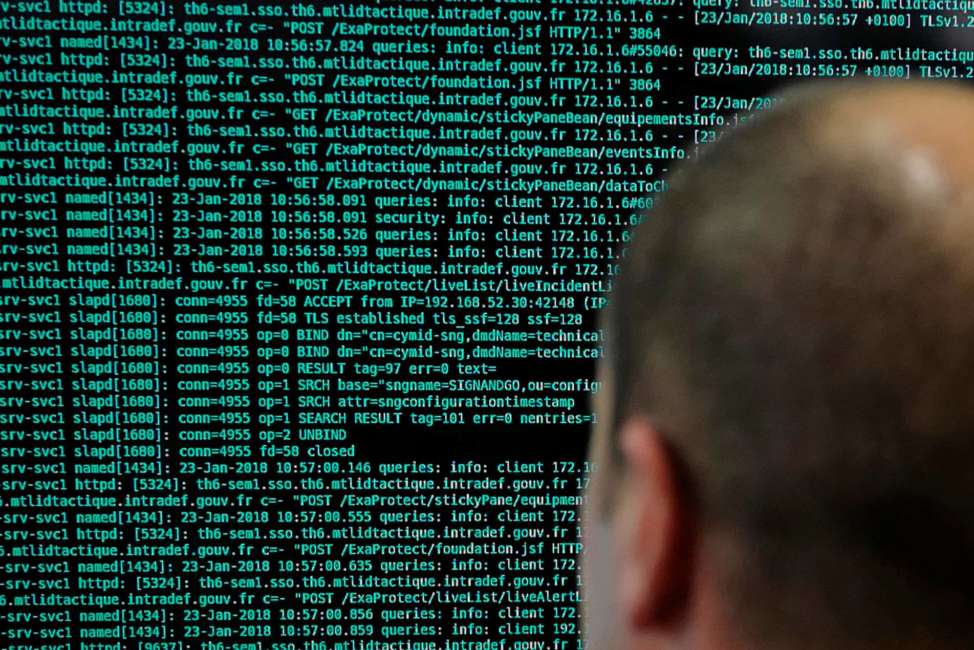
(297, 299)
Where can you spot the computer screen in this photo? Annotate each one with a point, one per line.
(298, 299)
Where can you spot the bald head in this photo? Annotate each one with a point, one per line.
(928, 118)
(796, 316)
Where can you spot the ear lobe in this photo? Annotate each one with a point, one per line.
(653, 529)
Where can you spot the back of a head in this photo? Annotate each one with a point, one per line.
(797, 315)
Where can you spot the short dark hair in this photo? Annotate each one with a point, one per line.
(806, 295)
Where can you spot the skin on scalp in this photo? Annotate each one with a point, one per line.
(913, 143)
(934, 117)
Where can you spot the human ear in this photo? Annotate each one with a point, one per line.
(653, 528)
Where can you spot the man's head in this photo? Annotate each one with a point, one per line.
(785, 441)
